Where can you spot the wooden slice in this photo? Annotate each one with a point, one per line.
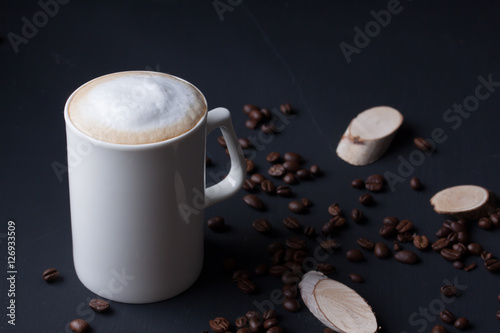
(467, 201)
(369, 135)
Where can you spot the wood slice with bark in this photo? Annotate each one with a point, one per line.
(464, 201)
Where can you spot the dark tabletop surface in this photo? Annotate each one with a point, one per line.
(430, 56)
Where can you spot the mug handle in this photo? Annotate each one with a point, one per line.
(220, 117)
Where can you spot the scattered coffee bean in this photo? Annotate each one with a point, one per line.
(404, 226)
(449, 290)
(415, 184)
(291, 304)
(356, 278)
(247, 287)
(457, 227)
(303, 174)
(286, 109)
(250, 165)
(245, 143)
(294, 267)
(450, 254)
(439, 329)
(216, 223)
(309, 231)
(405, 237)
(458, 264)
(460, 248)
(485, 255)
(326, 268)
(495, 219)
(256, 115)
(278, 270)
(50, 274)
(272, 322)
(355, 255)
(498, 315)
(290, 278)
(356, 215)
(366, 243)
(247, 108)
(290, 178)
(274, 247)
(306, 202)
(461, 323)
(297, 207)
(366, 199)
(292, 223)
(278, 257)
(374, 183)
(475, 248)
(254, 201)
(241, 322)
(358, 183)
(273, 157)
(284, 191)
(463, 237)
(387, 231)
(268, 187)
(257, 178)
(440, 244)
(397, 246)
(447, 317)
(443, 232)
(406, 257)
(79, 326)
(295, 243)
(485, 223)
(251, 124)
(291, 166)
(470, 267)
(315, 170)
(276, 170)
(99, 305)
(269, 314)
(293, 157)
(219, 325)
(252, 314)
(381, 250)
(422, 144)
(334, 210)
(261, 225)
(275, 329)
(248, 185)
(261, 269)
(221, 141)
(240, 275)
(493, 265)
(421, 242)
(269, 128)
(329, 244)
(391, 220)
(299, 256)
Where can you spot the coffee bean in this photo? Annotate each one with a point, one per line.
(275, 329)
(272, 322)
(278, 270)
(406, 257)
(255, 325)
(356, 215)
(79, 326)
(251, 124)
(457, 227)
(470, 267)
(250, 165)
(381, 250)
(355, 255)
(247, 108)
(404, 226)
(440, 244)
(292, 223)
(485, 255)
(460, 248)
(268, 128)
(268, 187)
(374, 183)
(447, 317)
(273, 157)
(334, 210)
(439, 329)
(278, 257)
(269, 314)
(241, 322)
(295, 243)
(329, 244)
(449, 290)
(498, 314)
(405, 237)
(290, 277)
(328, 228)
(450, 254)
(293, 157)
(290, 178)
(219, 325)
(291, 304)
(358, 183)
(254, 201)
(248, 185)
(458, 264)
(294, 267)
(247, 286)
(463, 237)
(475, 248)
(366, 243)
(240, 275)
(443, 232)
(356, 278)
(221, 141)
(297, 207)
(315, 170)
(299, 256)
(326, 268)
(303, 174)
(493, 265)
(422, 144)
(461, 323)
(273, 247)
(415, 184)
(229, 264)
(261, 269)
(257, 178)
(387, 231)
(291, 166)
(485, 223)
(256, 115)
(50, 274)
(245, 143)
(286, 109)
(397, 246)
(421, 242)
(261, 225)
(391, 220)
(306, 202)
(252, 314)
(309, 231)
(284, 191)
(366, 199)
(99, 305)
(276, 170)
(216, 223)
(495, 219)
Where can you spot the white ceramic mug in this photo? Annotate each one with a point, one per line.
(137, 211)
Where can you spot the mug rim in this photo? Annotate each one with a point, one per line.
(126, 146)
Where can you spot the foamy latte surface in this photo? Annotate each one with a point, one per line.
(136, 107)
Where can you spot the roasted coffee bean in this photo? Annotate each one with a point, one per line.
(247, 108)
(391, 220)
(261, 269)
(275, 329)
(447, 317)
(50, 274)
(293, 157)
(299, 256)
(273, 157)
(334, 210)
(355, 255)
(257, 178)
(216, 223)
(366, 243)
(485, 223)
(294, 267)
(315, 170)
(240, 275)
(290, 178)
(309, 231)
(406, 257)
(397, 246)
(286, 109)
(99, 305)
(339, 221)
(485, 255)
(255, 325)
(450, 254)
(422, 144)
(291, 166)
(405, 237)
(266, 113)
(292, 223)
(252, 314)
(248, 185)
(374, 183)
(269, 314)
(329, 244)
(440, 244)
(261, 225)
(247, 286)
(303, 174)
(256, 115)
(421, 242)
(291, 292)
(295, 243)
(245, 143)
(366, 199)
(475, 248)
(291, 304)
(457, 227)
(297, 207)
(306, 202)
(415, 184)
(493, 265)
(250, 165)
(326, 268)
(278, 257)
(290, 277)
(458, 264)
(272, 322)
(276, 170)
(495, 219)
(254, 201)
(356, 215)
(251, 124)
(358, 183)
(268, 187)
(404, 226)
(79, 326)
(452, 237)
(470, 267)
(461, 323)
(284, 191)
(328, 228)
(289, 253)
(273, 247)
(381, 250)
(241, 322)
(460, 248)
(387, 231)
(498, 314)
(221, 141)
(439, 329)
(268, 128)
(463, 237)
(219, 325)
(229, 264)
(443, 232)
(356, 278)
(449, 290)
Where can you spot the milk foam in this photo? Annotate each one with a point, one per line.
(136, 107)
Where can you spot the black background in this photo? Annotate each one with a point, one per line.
(425, 60)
